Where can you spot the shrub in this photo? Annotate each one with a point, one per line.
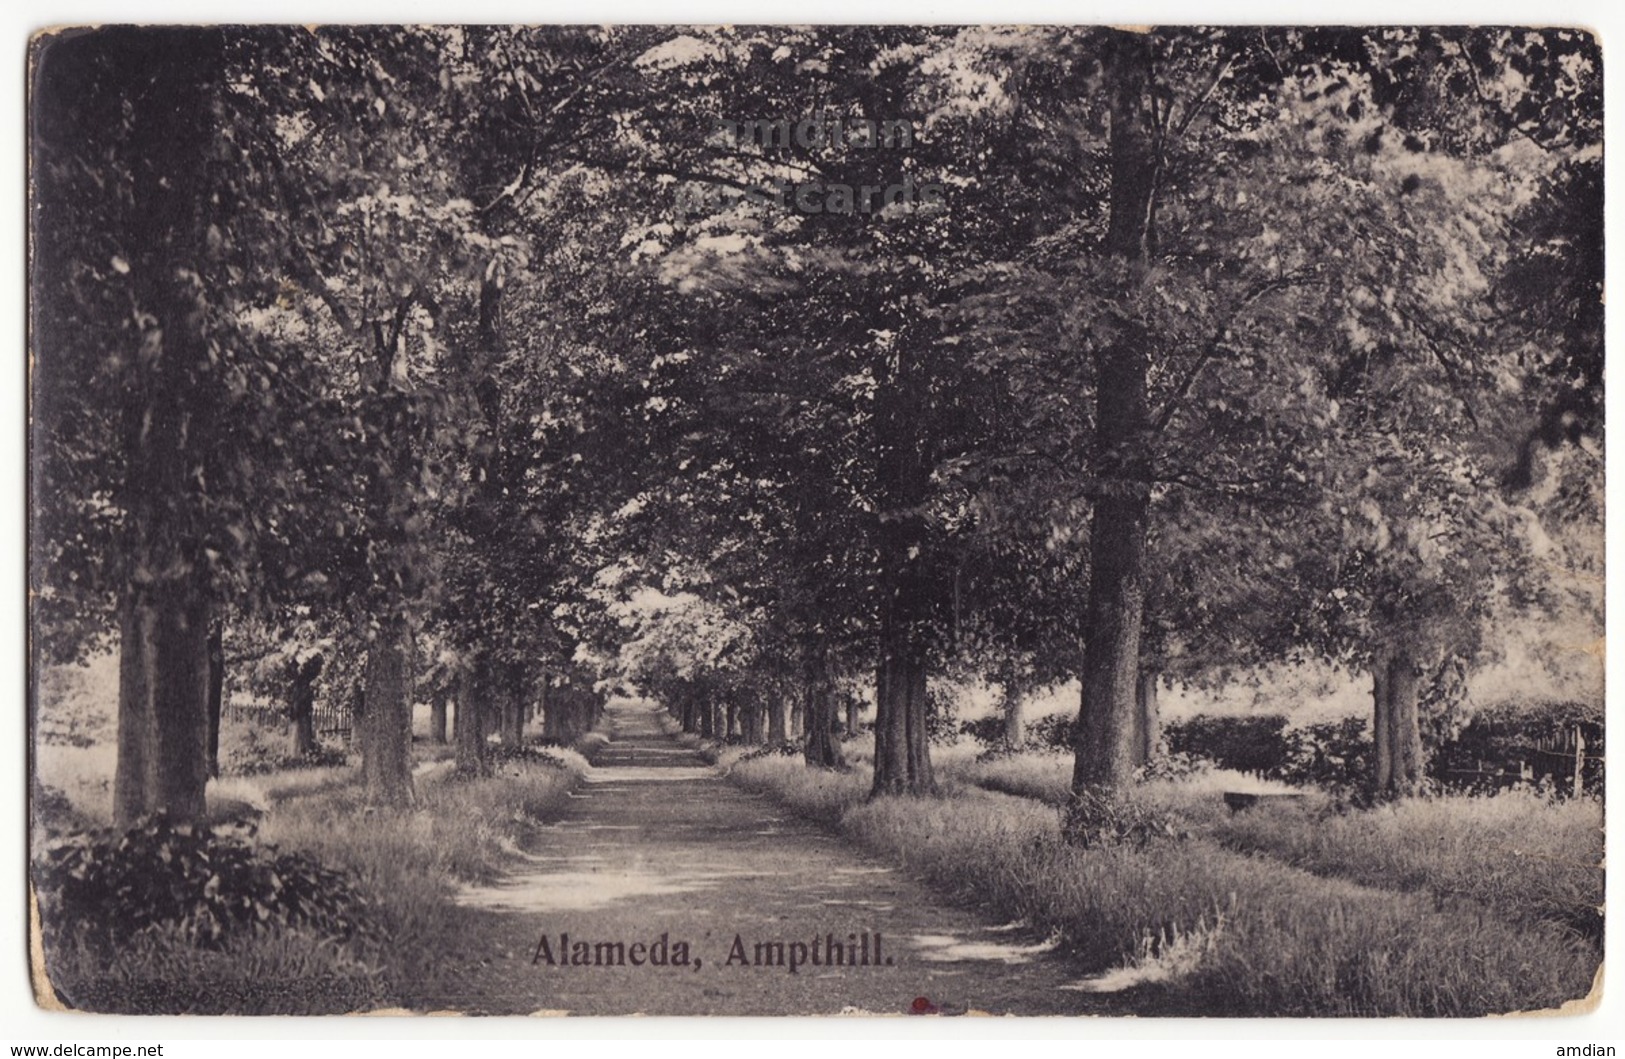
(940, 726)
(787, 748)
(1054, 732)
(508, 754)
(1099, 818)
(1503, 736)
(251, 749)
(1246, 744)
(208, 886)
(989, 731)
(1334, 754)
(1175, 766)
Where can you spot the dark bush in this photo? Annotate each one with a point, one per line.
(1054, 732)
(1246, 744)
(940, 725)
(1171, 766)
(253, 750)
(105, 887)
(1334, 754)
(1094, 819)
(528, 754)
(788, 748)
(1533, 734)
(989, 730)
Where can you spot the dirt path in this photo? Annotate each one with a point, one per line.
(662, 856)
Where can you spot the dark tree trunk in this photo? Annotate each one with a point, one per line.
(750, 713)
(386, 728)
(468, 723)
(853, 707)
(731, 727)
(1117, 525)
(437, 715)
(777, 728)
(513, 706)
(1147, 719)
(902, 759)
(822, 747)
(217, 694)
(708, 717)
(1397, 727)
(553, 707)
(163, 763)
(797, 726)
(164, 608)
(903, 474)
(302, 702)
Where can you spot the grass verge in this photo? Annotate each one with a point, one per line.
(1527, 857)
(1273, 940)
(406, 862)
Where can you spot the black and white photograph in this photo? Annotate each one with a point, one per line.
(822, 520)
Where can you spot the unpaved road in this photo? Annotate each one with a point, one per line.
(658, 846)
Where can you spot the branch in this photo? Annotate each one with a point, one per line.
(1435, 346)
(1215, 344)
(1503, 118)
(661, 169)
(1201, 101)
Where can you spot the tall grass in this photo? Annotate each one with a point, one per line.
(408, 862)
(1274, 940)
(1526, 856)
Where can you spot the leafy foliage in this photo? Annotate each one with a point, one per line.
(1332, 754)
(210, 886)
(1093, 819)
(1246, 744)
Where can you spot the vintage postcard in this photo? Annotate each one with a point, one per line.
(834, 520)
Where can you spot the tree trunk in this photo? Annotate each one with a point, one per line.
(797, 721)
(386, 728)
(217, 694)
(1118, 520)
(468, 724)
(731, 727)
(1014, 730)
(163, 724)
(1397, 728)
(553, 708)
(1382, 747)
(854, 706)
(776, 720)
(902, 760)
(822, 748)
(437, 715)
(513, 706)
(163, 605)
(302, 702)
(751, 719)
(1147, 719)
(708, 717)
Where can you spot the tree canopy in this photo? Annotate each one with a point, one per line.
(752, 363)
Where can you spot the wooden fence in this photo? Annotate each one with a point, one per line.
(333, 723)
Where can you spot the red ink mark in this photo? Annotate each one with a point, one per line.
(922, 1006)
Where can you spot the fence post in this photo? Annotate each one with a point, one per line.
(1579, 759)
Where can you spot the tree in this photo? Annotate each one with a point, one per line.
(127, 327)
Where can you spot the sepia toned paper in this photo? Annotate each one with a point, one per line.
(866, 521)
